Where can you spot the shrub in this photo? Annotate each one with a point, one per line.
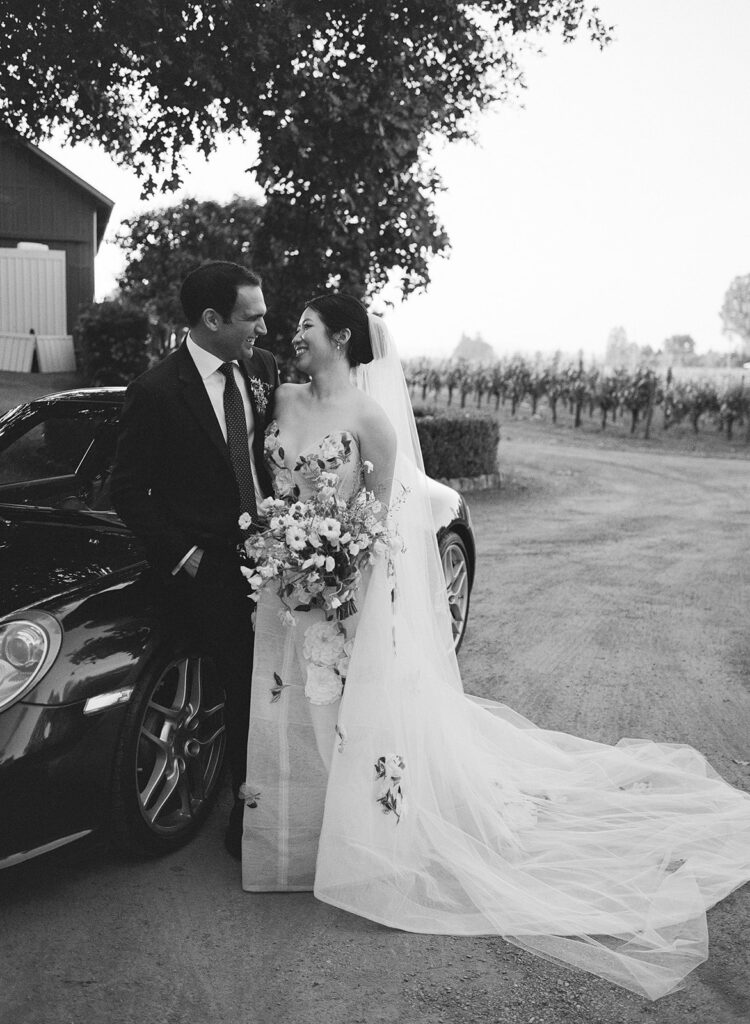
(111, 342)
(455, 444)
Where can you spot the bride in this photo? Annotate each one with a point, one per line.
(397, 797)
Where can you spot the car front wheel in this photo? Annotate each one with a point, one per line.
(169, 760)
(455, 561)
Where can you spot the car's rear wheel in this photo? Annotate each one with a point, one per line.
(456, 569)
(169, 760)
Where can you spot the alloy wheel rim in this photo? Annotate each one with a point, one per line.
(456, 572)
(180, 747)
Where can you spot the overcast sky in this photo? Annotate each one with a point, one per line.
(616, 196)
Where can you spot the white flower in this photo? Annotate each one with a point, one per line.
(330, 563)
(269, 505)
(323, 685)
(324, 643)
(330, 529)
(295, 538)
(245, 521)
(354, 549)
(255, 579)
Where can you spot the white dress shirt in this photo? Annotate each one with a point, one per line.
(208, 367)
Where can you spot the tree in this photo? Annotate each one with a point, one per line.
(474, 349)
(735, 311)
(344, 97)
(165, 244)
(620, 352)
(678, 348)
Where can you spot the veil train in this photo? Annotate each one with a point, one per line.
(454, 815)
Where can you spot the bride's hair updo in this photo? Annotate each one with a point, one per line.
(339, 311)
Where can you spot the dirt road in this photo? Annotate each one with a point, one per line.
(612, 599)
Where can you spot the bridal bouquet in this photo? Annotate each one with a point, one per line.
(315, 550)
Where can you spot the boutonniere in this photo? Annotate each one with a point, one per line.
(261, 393)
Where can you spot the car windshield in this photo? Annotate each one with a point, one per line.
(58, 456)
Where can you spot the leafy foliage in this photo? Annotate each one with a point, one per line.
(457, 444)
(344, 97)
(165, 244)
(112, 343)
(735, 311)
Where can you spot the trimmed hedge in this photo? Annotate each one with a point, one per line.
(456, 444)
(112, 340)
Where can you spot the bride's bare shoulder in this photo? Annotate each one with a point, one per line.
(287, 396)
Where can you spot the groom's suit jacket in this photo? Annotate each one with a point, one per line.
(173, 482)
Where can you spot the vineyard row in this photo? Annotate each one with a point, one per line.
(610, 394)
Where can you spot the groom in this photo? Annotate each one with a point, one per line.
(189, 462)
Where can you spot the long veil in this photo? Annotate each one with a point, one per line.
(446, 814)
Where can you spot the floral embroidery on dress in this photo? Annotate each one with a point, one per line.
(249, 795)
(327, 652)
(642, 786)
(276, 688)
(330, 453)
(283, 480)
(389, 772)
(261, 393)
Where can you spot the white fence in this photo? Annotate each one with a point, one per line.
(54, 352)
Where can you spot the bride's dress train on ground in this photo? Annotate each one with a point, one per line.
(442, 813)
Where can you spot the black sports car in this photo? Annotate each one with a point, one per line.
(109, 715)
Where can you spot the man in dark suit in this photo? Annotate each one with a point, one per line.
(189, 463)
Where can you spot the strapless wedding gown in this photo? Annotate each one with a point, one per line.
(416, 806)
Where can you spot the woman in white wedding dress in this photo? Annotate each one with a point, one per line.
(407, 802)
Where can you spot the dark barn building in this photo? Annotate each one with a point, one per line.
(43, 202)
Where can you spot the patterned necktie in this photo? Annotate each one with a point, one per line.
(239, 452)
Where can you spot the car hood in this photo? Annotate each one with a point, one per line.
(45, 553)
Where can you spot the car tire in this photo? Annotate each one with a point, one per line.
(457, 571)
(169, 760)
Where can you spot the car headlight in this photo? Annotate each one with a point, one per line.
(28, 647)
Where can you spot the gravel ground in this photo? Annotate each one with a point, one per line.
(611, 599)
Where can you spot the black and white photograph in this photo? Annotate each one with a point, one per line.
(374, 512)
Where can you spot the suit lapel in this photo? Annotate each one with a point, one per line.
(197, 400)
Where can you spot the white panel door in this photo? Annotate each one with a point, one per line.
(32, 291)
